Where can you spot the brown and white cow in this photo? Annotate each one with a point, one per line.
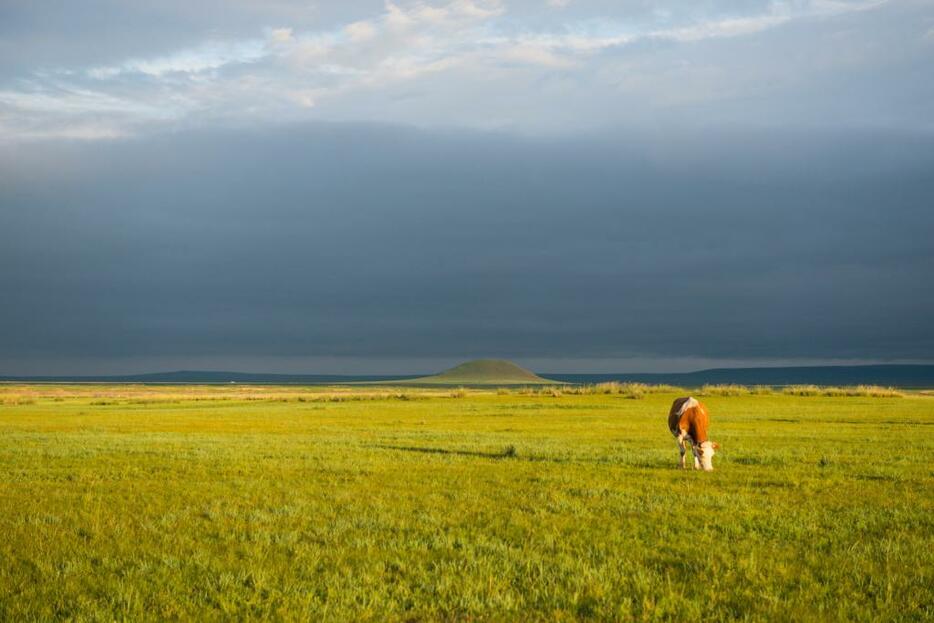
(688, 421)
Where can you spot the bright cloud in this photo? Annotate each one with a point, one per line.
(212, 55)
(360, 31)
(281, 35)
(413, 60)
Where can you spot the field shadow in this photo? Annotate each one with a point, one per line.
(660, 464)
(429, 450)
(758, 460)
(878, 477)
(911, 423)
(532, 458)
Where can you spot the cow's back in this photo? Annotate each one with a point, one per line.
(674, 415)
(692, 418)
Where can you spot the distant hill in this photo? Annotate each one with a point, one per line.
(484, 372)
(897, 375)
(493, 372)
(213, 377)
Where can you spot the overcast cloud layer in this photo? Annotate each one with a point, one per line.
(392, 187)
(108, 68)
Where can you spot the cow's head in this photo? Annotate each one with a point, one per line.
(705, 452)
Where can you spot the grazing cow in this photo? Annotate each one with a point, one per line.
(687, 421)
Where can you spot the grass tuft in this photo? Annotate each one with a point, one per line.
(627, 390)
(724, 390)
(871, 391)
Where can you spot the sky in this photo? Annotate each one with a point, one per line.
(395, 187)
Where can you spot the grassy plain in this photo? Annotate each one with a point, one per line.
(218, 503)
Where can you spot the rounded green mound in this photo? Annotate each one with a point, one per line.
(485, 372)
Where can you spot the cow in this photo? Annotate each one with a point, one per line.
(687, 421)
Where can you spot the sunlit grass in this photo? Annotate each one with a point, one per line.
(724, 390)
(872, 391)
(219, 502)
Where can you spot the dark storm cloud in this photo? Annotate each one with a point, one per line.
(375, 241)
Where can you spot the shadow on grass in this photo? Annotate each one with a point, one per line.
(510, 453)
(879, 477)
(425, 450)
(769, 461)
(911, 423)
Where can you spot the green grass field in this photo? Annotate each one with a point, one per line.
(200, 503)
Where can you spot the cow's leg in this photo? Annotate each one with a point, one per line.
(697, 462)
(681, 449)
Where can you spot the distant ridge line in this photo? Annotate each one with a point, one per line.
(897, 375)
(211, 377)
